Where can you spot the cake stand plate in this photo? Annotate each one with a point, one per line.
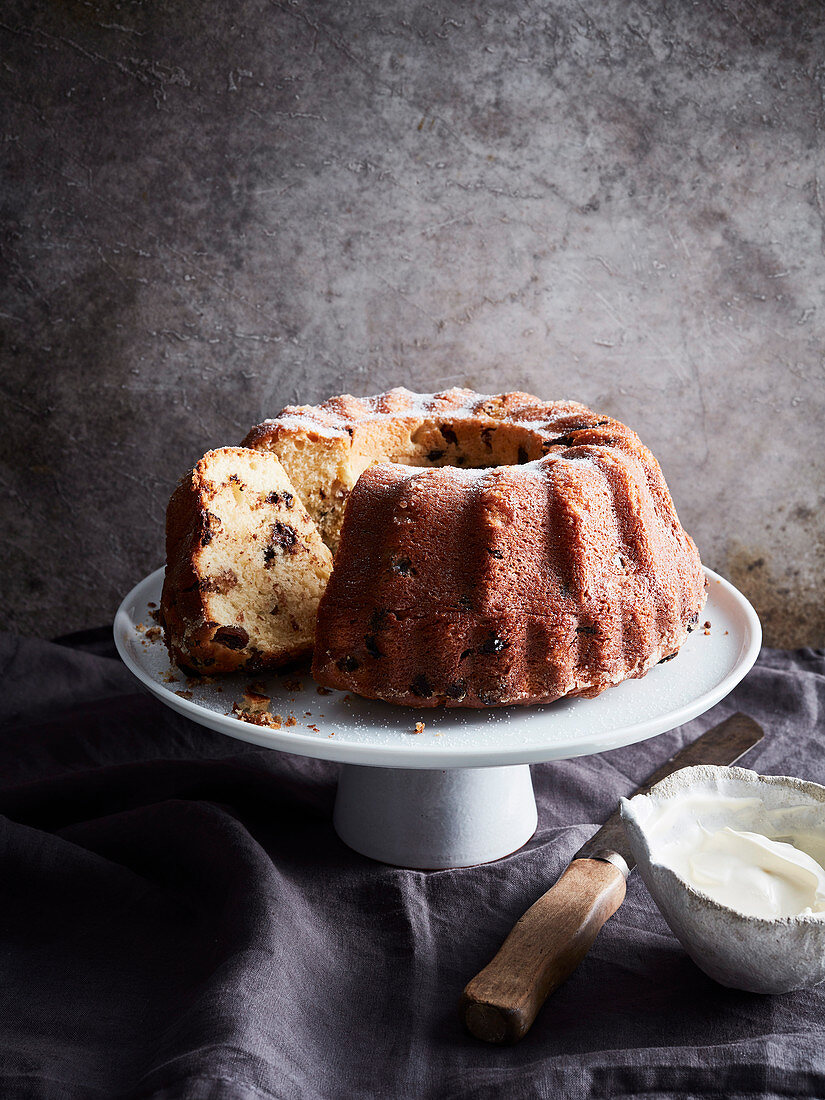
(436, 788)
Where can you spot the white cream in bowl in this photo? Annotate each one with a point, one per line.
(736, 863)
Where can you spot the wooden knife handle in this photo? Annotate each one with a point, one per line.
(543, 949)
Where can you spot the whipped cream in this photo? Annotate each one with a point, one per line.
(774, 872)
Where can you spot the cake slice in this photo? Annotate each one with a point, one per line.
(245, 566)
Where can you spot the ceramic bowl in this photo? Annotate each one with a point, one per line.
(741, 951)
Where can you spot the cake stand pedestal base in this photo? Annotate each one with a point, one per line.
(432, 819)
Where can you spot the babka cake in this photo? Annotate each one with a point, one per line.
(245, 566)
(538, 555)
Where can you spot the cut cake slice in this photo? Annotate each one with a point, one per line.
(245, 566)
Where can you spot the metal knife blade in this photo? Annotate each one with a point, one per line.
(724, 744)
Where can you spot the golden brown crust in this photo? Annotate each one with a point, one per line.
(511, 585)
(340, 416)
(529, 552)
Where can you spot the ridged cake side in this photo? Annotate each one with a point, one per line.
(511, 585)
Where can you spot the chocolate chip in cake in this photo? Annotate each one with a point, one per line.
(487, 436)
(457, 691)
(669, 657)
(221, 583)
(371, 646)
(286, 499)
(449, 436)
(491, 550)
(255, 661)
(232, 637)
(421, 687)
(466, 653)
(210, 523)
(433, 456)
(567, 439)
(378, 620)
(282, 537)
(493, 693)
(348, 664)
(587, 630)
(522, 455)
(494, 644)
(404, 567)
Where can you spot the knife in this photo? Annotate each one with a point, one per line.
(546, 945)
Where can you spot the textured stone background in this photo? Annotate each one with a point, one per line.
(211, 210)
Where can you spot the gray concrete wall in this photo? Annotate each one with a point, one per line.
(211, 210)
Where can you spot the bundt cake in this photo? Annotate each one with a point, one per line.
(245, 566)
(490, 550)
(544, 558)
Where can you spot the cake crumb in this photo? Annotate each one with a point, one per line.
(323, 691)
(419, 727)
(293, 685)
(256, 700)
(257, 717)
(170, 677)
(154, 634)
(184, 694)
(707, 626)
(152, 604)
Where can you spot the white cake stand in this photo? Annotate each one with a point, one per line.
(458, 792)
